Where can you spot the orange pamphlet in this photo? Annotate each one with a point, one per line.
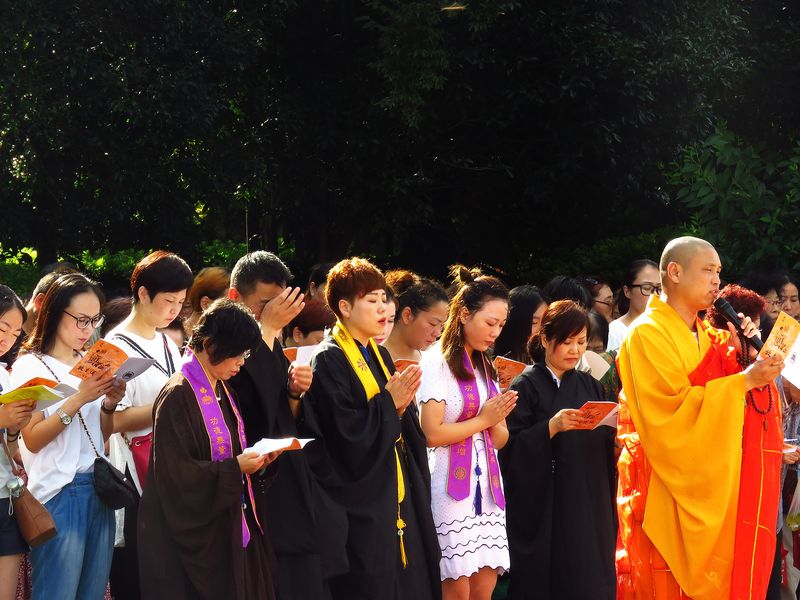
(290, 353)
(401, 364)
(102, 356)
(507, 370)
(598, 413)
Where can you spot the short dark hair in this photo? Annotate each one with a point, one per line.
(315, 316)
(47, 280)
(319, 273)
(9, 300)
(225, 329)
(56, 301)
(562, 320)
(598, 327)
(116, 311)
(352, 278)
(562, 287)
(158, 272)
(259, 267)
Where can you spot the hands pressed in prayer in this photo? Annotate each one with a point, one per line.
(402, 387)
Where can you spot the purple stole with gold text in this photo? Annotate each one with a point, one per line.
(458, 474)
(219, 437)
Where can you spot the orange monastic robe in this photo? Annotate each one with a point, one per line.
(688, 439)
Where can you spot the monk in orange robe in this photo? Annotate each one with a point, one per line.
(701, 444)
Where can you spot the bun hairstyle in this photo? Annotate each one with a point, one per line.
(417, 293)
(473, 290)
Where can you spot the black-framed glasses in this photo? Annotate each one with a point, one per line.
(603, 302)
(647, 288)
(84, 322)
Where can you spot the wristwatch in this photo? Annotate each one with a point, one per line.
(65, 418)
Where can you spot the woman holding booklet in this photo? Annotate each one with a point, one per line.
(159, 284)
(421, 313)
(463, 417)
(13, 417)
(560, 484)
(199, 533)
(60, 444)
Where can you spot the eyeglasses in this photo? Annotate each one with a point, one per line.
(243, 356)
(647, 288)
(84, 322)
(604, 302)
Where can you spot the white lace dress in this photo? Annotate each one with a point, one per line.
(469, 541)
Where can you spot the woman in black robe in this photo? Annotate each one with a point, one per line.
(559, 482)
(197, 510)
(366, 426)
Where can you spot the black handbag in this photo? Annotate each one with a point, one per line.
(110, 484)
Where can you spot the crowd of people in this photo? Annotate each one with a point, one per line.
(424, 479)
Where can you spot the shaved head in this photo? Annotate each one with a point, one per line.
(681, 250)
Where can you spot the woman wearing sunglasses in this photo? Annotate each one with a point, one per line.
(642, 280)
(58, 445)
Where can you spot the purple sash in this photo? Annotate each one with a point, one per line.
(219, 437)
(459, 470)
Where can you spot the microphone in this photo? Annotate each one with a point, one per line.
(726, 310)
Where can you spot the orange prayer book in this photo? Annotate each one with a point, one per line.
(598, 413)
(401, 364)
(507, 370)
(102, 356)
(290, 353)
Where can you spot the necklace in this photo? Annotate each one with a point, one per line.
(744, 361)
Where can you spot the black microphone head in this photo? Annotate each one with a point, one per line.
(725, 308)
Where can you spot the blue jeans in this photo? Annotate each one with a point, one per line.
(75, 563)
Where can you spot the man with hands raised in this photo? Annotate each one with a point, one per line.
(296, 511)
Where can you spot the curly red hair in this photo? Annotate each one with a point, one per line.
(743, 300)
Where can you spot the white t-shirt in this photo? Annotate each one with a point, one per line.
(55, 465)
(143, 390)
(617, 330)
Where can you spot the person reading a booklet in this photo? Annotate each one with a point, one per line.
(463, 417)
(421, 312)
(697, 514)
(158, 285)
(60, 444)
(369, 453)
(13, 417)
(199, 531)
(304, 524)
(559, 479)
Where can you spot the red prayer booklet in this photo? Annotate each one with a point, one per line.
(507, 370)
(596, 414)
(105, 356)
(401, 364)
(290, 353)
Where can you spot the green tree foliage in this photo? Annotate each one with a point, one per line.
(744, 198)
(507, 132)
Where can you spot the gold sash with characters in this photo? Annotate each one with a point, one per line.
(348, 345)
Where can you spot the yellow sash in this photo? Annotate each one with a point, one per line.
(348, 345)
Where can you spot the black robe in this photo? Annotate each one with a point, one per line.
(307, 529)
(190, 514)
(355, 461)
(560, 493)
